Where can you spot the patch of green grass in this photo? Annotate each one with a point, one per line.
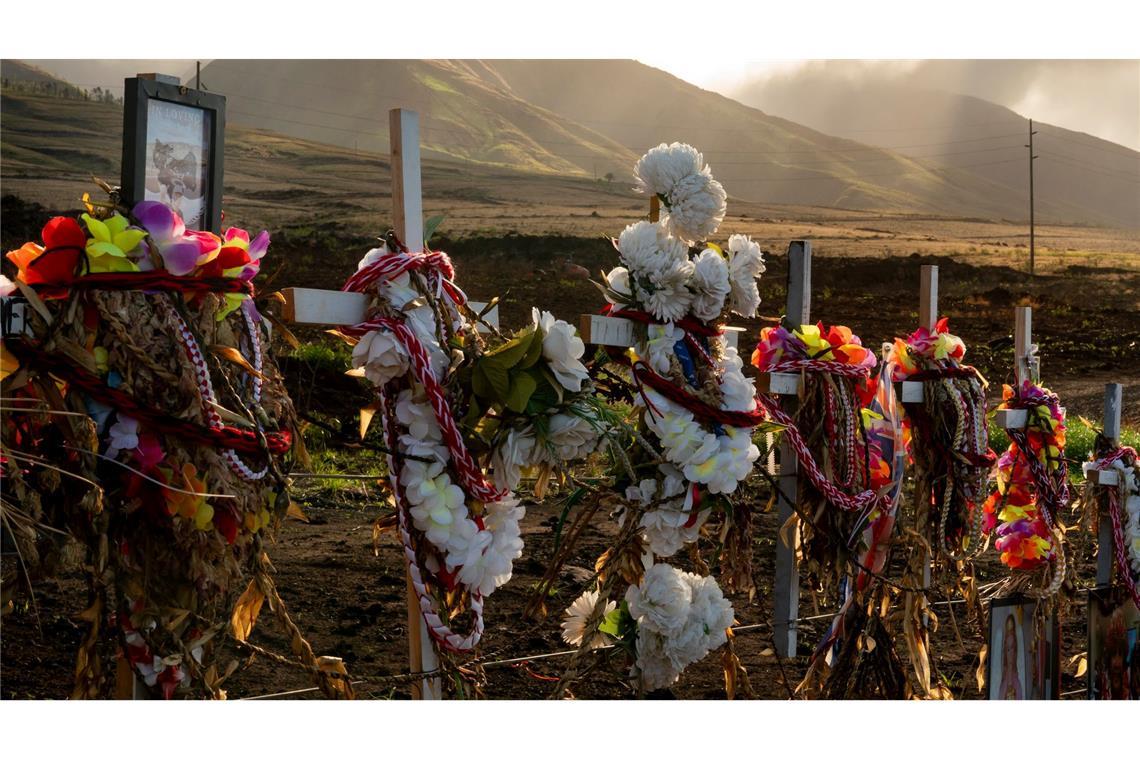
(322, 356)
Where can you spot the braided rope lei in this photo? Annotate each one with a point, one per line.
(437, 268)
(864, 500)
(932, 357)
(812, 350)
(1113, 496)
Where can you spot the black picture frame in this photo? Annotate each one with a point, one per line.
(146, 96)
(1038, 670)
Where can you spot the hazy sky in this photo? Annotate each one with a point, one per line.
(1101, 98)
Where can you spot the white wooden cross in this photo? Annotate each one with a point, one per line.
(786, 588)
(911, 391)
(1113, 396)
(334, 307)
(1025, 366)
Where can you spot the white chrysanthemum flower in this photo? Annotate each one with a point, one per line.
(568, 437)
(677, 173)
(669, 528)
(696, 207)
(711, 608)
(653, 664)
(647, 249)
(709, 284)
(661, 168)
(381, 355)
(665, 294)
(617, 280)
(734, 460)
(659, 347)
(562, 349)
(515, 452)
(745, 265)
(661, 600)
(579, 619)
(414, 413)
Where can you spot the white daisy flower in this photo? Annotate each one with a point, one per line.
(580, 619)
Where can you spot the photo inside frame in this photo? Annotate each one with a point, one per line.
(178, 160)
(1114, 646)
(1023, 652)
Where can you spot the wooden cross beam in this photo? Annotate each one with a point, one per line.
(787, 582)
(1025, 366)
(1113, 397)
(615, 331)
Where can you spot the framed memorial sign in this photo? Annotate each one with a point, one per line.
(1024, 651)
(1114, 645)
(173, 144)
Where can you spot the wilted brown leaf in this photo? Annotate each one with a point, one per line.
(231, 354)
(294, 511)
(246, 610)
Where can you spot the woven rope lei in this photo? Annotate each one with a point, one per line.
(1113, 497)
(438, 269)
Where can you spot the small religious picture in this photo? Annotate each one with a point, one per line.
(1024, 651)
(1114, 645)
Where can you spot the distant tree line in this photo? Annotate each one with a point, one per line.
(60, 90)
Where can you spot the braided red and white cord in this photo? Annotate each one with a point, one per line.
(845, 501)
(469, 475)
(1112, 493)
(206, 388)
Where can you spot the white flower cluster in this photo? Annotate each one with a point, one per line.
(718, 460)
(681, 617)
(378, 352)
(678, 175)
(568, 435)
(658, 275)
(481, 556)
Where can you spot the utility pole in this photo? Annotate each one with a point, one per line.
(197, 75)
(1032, 242)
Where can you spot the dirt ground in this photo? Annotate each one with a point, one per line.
(351, 603)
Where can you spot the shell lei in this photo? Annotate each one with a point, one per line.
(176, 528)
(1032, 483)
